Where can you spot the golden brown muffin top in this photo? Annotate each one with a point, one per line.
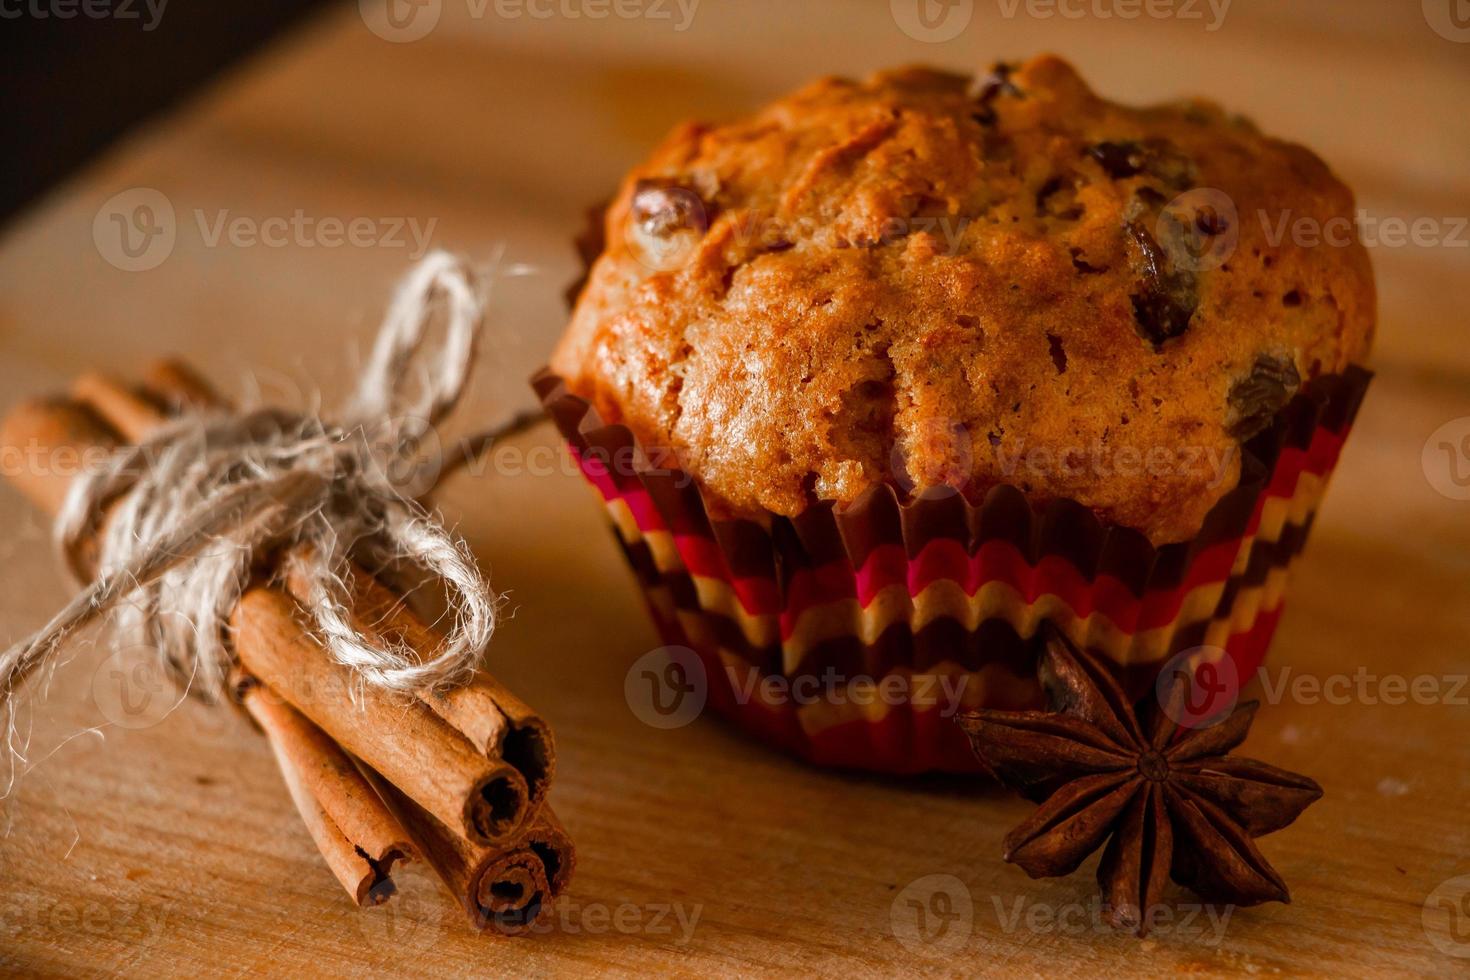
(926, 279)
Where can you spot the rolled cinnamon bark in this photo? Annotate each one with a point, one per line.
(482, 798)
(485, 799)
(516, 745)
(466, 770)
(496, 722)
(551, 842)
(356, 833)
(176, 387)
(358, 837)
(502, 726)
(51, 442)
(127, 411)
(504, 889)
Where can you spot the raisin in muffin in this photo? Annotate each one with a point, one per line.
(925, 279)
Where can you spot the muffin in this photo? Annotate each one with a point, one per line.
(881, 378)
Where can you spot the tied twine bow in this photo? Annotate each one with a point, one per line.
(182, 521)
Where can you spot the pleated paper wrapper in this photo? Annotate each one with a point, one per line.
(939, 594)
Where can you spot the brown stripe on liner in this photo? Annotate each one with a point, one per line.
(994, 644)
(873, 519)
(819, 540)
(667, 491)
(943, 639)
(640, 558)
(1068, 529)
(1267, 556)
(1190, 635)
(747, 548)
(935, 514)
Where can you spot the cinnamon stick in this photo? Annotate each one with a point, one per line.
(496, 722)
(358, 837)
(466, 770)
(485, 799)
(482, 798)
(500, 888)
(54, 441)
(483, 710)
(177, 387)
(127, 411)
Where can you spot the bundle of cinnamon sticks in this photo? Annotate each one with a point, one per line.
(458, 778)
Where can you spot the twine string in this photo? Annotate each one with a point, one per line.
(179, 526)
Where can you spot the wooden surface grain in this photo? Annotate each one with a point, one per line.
(164, 842)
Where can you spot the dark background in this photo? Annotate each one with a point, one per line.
(74, 84)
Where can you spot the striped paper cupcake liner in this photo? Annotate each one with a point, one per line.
(938, 596)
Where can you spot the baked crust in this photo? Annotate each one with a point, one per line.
(926, 279)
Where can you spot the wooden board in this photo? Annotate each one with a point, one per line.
(173, 847)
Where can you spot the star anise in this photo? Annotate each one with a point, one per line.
(1168, 797)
